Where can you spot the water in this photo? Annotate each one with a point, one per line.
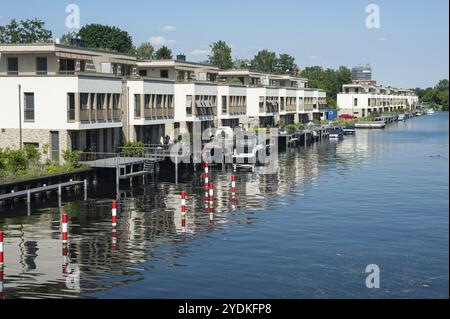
(309, 231)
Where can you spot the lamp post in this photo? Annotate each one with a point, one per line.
(20, 117)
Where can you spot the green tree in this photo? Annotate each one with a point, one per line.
(25, 31)
(144, 51)
(286, 64)
(240, 63)
(265, 61)
(163, 53)
(329, 80)
(221, 55)
(66, 38)
(106, 37)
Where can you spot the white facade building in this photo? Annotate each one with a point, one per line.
(363, 99)
(73, 98)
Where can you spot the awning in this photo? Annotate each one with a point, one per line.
(75, 56)
(123, 61)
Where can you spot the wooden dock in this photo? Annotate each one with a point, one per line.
(28, 192)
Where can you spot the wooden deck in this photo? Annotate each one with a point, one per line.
(28, 192)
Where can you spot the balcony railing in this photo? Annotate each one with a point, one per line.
(71, 115)
(88, 115)
(238, 110)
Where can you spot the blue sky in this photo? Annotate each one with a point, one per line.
(409, 49)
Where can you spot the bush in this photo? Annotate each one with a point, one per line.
(290, 128)
(72, 159)
(133, 149)
(16, 160)
(32, 153)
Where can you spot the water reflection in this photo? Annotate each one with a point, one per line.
(149, 216)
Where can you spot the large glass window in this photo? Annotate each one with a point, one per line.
(29, 107)
(13, 65)
(164, 74)
(137, 105)
(41, 65)
(71, 106)
(67, 66)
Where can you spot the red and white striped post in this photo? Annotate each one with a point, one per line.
(65, 255)
(211, 196)
(114, 238)
(114, 213)
(206, 174)
(1, 250)
(183, 211)
(233, 186)
(64, 228)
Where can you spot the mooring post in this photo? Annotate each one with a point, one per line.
(85, 189)
(305, 139)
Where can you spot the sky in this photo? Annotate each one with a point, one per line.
(410, 47)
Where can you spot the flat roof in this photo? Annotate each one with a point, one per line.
(23, 48)
(174, 63)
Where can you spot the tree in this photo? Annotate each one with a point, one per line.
(106, 37)
(286, 64)
(265, 61)
(66, 38)
(329, 80)
(221, 55)
(144, 51)
(163, 53)
(241, 63)
(25, 31)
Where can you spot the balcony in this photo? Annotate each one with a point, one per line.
(205, 111)
(291, 108)
(88, 115)
(159, 113)
(238, 110)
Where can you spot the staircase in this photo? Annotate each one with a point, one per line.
(149, 166)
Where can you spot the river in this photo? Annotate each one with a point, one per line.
(309, 231)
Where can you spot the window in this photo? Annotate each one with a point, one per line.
(164, 74)
(13, 66)
(189, 105)
(35, 145)
(70, 106)
(116, 102)
(158, 101)
(29, 107)
(41, 65)
(82, 66)
(100, 101)
(67, 66)
(224, 104)
(84, 101)
(137, 105)
(261, 104)
(142, 72)
(355, 102)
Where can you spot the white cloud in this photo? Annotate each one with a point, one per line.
(199, 52)
(160, 40)
(169, 28)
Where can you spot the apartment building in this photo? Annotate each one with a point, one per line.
(62, 97)
(74, 98)
(195, 91)
(274, 99)
(362, 99)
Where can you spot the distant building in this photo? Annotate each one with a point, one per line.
(362, 73)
